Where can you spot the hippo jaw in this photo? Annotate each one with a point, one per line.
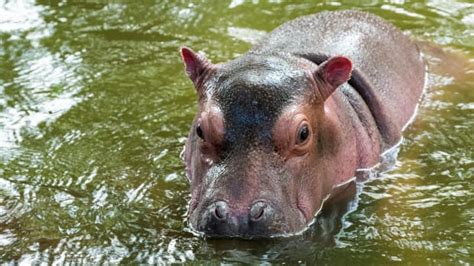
(219, 209)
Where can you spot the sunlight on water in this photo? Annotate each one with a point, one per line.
(42, 87)
(95, 108)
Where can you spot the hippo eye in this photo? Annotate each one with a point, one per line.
(199, 132)
(303, 134)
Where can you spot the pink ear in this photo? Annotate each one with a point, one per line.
(194, 62)
(333, 72)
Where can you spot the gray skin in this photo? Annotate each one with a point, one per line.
(280, 127)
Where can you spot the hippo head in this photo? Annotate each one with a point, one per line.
(260, 142)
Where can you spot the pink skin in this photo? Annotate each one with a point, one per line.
(310, 163)
(288, 121)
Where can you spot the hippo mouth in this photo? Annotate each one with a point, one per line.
(262, 220)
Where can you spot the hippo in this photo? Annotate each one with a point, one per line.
(280, 127)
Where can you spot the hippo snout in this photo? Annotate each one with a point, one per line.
(222, 220)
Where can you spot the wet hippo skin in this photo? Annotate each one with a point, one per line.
(279, 127)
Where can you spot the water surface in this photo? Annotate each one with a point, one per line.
(95, 108)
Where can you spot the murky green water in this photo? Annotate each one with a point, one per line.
(94, 110)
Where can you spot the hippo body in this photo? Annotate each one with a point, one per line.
(279, 127)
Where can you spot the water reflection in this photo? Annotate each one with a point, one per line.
(37, 86)
(94, 108)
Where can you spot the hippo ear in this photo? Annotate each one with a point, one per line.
(195, 64)
(332, 73)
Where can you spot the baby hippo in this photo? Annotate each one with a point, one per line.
(281, 126)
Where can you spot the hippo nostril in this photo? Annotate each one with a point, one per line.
(257, 211)
(220, 210)
(218, 214)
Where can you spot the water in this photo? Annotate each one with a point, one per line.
(95, 108)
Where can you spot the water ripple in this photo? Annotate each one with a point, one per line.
(94, 108)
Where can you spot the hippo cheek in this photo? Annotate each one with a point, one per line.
(292, 222)
(305, 207)
(305, 190)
